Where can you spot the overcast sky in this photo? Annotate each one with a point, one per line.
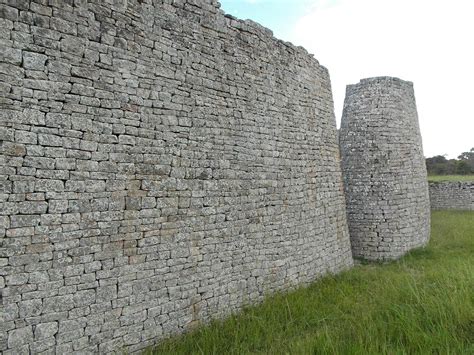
(429, 42)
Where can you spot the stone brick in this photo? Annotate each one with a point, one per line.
(18, 221)
(13, 149)
(58, 303)
(84, 298)
(58, 206)
(9, 208)
(63, 26)
(11, 55)
(10, 312)
(23, 186)
(24, 259)
(46, 330)
(31, 308)
(34, 61)
(26, 137)
(20, 336)
(33, 207)
(73, 45)
(43, 346)
(20, 232)
(49, 185)
(8, 12)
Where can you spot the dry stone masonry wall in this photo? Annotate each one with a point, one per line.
(384, 171)
(452, 195)
(161, 164)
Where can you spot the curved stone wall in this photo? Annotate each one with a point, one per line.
(161, 164)
(452, 195)
(384, 170)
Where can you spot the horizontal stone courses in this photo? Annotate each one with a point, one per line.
(384, 169)
(161, 165)
(164, 164)
(452, 195)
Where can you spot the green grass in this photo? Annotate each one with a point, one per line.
(437, 178)
(421, 304)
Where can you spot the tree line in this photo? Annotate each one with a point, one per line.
(463, 165)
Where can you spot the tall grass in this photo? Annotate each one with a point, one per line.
(421, 304)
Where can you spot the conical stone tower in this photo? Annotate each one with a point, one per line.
(384, 169)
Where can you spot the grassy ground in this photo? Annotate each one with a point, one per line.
(421, 304)
(436, 178)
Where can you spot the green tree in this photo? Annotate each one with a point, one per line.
(467, 158)
(439, 165)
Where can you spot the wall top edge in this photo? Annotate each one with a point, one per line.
(381, 79)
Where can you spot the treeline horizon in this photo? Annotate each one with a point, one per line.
(463, 165)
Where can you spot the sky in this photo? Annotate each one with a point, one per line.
(428, 42)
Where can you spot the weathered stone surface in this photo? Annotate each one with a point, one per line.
(31, 308)
(45, 330)
(19, 337)
(13, 149)
(32, 207)
(162, 164)
(452, 195)
(384, 169)
(10, 55)
(34, 61)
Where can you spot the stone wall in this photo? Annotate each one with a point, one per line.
(161, 164)
(384, 169)
(452, 195)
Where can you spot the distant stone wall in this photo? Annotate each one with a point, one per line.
(161, 164)
(452, 195)
(384, 169)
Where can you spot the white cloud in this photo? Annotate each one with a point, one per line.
(427, 42)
